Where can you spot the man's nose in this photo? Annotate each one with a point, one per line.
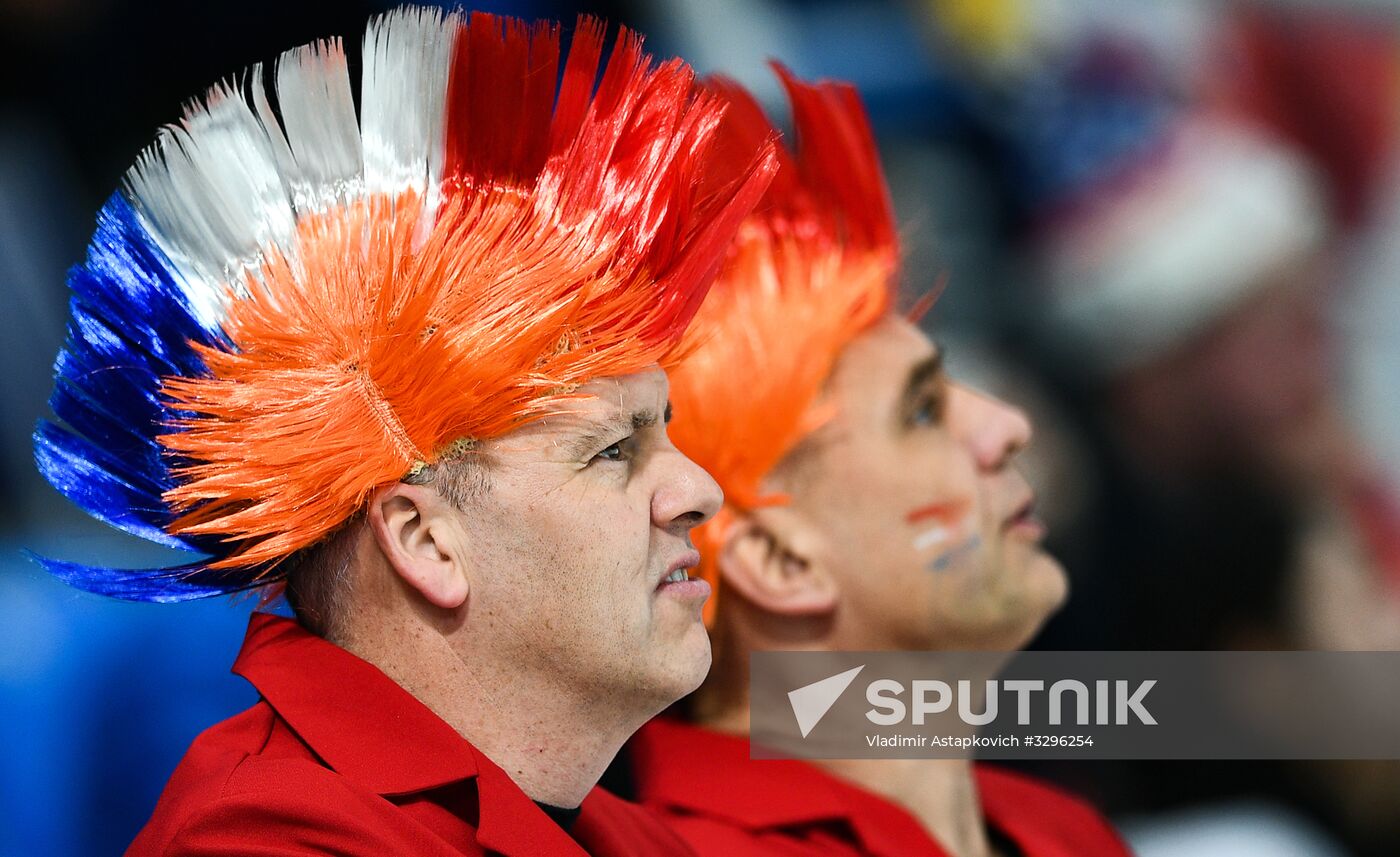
(992, 429)
(687, 498)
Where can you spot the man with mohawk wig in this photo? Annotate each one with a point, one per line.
(406, 367)
(871, 504)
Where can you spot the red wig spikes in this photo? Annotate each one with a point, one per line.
(812, 268)
(571, 238)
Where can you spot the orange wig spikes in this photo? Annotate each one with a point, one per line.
(571, 246)
(812, 268)
(313, 305)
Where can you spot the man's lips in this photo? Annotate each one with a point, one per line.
(1024, 518)
(679, 566)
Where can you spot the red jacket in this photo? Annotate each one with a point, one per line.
(727, 805)
(338, 759)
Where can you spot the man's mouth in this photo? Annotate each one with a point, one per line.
(1024, 520)
(677, 577)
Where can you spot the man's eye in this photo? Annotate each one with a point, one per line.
(927, 412)
(612, 453)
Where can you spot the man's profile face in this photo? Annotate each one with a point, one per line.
(927, 526)
(587, 512)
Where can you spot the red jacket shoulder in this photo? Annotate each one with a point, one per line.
(204, 770)
(249, 786)
(279, 807)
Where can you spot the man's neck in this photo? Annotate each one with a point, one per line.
(941, 793)
(553, 746)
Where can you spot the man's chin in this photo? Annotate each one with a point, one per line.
(1032, 592)
(683, 661)
(1046, 589)
(1049, 580)
(1040, 579)
(694, 659)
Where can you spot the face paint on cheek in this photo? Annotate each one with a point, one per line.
(937, 523)
(946, 559)
(946, 513)
(935, 535)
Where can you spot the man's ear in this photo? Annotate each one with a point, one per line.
(768, 557)
(413, 528)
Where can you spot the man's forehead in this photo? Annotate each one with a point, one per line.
(616, 397)
(599, 413)
(622, 391)
(875, 367)
(614, 403)
(875, 374)
(892, 345)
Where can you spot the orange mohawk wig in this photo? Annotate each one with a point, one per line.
(285, 310)
(812, 268)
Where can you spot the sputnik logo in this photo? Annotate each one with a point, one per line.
(811, 702)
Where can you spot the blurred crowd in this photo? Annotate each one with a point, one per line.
(1170, 229)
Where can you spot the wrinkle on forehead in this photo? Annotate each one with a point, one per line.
(598, 409)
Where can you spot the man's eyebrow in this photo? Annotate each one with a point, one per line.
(590, 439)
(919, 376)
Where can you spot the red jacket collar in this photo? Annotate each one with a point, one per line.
(357, 719)
(708, 773)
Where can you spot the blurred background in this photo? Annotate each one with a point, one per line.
(1170, 230)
